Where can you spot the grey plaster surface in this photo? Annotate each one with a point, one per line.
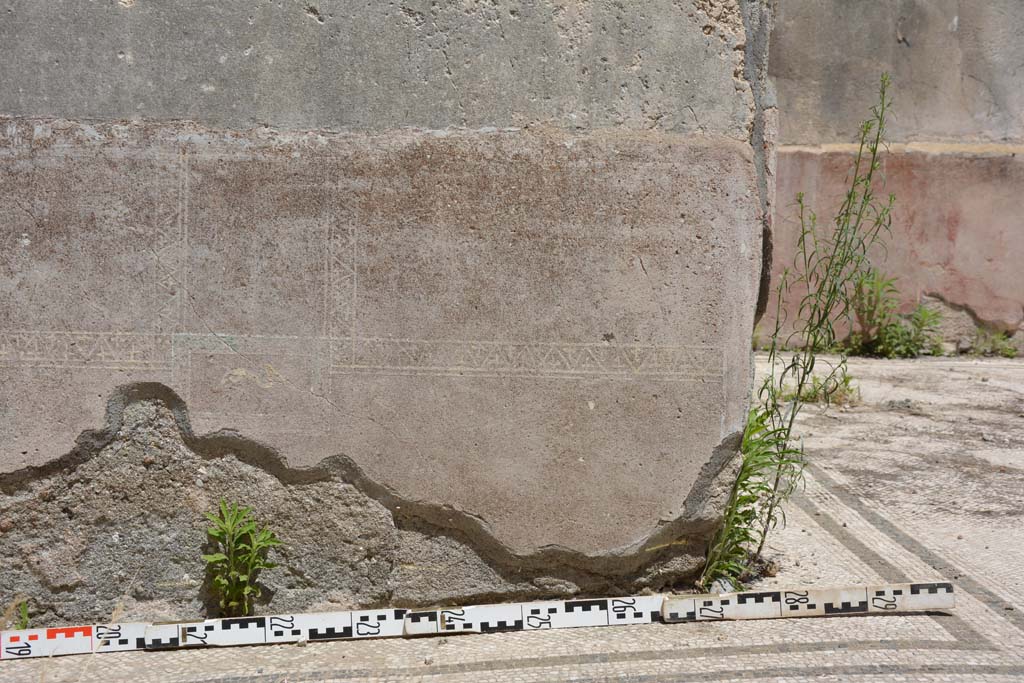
(378, 65)
(955, 65)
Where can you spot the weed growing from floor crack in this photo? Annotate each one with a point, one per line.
(241, 548)
(828, 265)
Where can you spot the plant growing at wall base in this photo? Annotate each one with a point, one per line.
(241, 549)
(912, 335)
(873, 304)
(826, 269)
(989, 343)
(22, 616)
(880, 330)
(729, 553)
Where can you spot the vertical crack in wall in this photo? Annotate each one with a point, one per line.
(758, 17)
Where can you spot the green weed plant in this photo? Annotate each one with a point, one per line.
(989, 343)
(23, 620)
(15, 615)
(829, 263)
(839, 390)
(241, 549)
(880, 331)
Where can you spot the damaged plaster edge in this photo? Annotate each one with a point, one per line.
(981, 323)
(698, 520)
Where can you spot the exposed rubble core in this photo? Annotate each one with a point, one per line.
(117, 526)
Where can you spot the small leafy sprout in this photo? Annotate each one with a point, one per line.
(22, 616)
(835, 390)
(241, 549)
(991, 343)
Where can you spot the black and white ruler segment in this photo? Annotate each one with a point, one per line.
(514, 616)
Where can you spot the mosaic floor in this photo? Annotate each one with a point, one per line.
(924, 480)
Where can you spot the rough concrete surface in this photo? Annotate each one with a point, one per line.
(673, 65)
(118, 527)
(873, 510)
(955, 66)
(494, 265)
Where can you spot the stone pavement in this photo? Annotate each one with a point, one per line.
(924, 480)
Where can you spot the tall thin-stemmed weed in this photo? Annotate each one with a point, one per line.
(828, 265)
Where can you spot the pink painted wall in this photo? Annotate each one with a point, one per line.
(956, 164)
(958, 223)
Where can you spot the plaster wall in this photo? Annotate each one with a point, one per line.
(485, 271)
(957, 132)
